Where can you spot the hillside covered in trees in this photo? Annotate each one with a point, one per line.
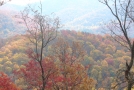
(103, 57)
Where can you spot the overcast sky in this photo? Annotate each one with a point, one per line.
(23, 2)
(57, 5)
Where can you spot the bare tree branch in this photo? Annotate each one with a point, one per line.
(123, 13)
(41, 31)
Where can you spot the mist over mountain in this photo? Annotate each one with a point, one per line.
(83, 16)
(9, 24)
(71, 17)
(83, 20)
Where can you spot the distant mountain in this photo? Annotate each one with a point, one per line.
(9, 24)
(83, 16)
(84, 19)
(72, 18)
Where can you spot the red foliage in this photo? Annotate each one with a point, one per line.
(32, 73)
(5, 83)
(71, 72)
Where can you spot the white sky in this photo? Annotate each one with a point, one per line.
(23, 2)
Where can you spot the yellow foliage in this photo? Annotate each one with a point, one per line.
(8, 63)
(8, 69)
(22, 66)
(104, 63)
(1, 60)
(16, 67)
(101, 89)
(87, 84)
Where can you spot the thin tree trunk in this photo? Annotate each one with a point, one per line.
(129, 86)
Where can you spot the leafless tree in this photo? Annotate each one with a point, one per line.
(120, 29)
(41, 31)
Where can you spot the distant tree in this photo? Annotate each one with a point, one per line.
(42, 29)
(120, 28)
(96, 54)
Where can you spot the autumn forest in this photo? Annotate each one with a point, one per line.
(45, 56)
